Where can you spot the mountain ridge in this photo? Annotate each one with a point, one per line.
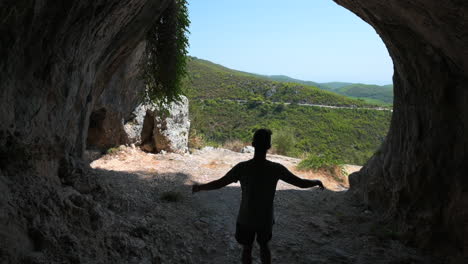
(372, 94)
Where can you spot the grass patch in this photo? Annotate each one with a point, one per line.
(234, 145)
(326, 162)
(113, 151)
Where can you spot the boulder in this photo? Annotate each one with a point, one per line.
(248, 149)
(158, 129)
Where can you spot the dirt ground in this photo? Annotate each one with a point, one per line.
(159, 220)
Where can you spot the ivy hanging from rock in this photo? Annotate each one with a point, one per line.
(164, 63)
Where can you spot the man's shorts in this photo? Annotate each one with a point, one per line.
(245, 235)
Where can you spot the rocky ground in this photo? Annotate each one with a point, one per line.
(156, 218)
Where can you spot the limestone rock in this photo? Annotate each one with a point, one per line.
(248, 149)
(171, 130)
(160, 129)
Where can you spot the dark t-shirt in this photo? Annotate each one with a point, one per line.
(258, 181)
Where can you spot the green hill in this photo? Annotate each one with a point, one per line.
(227, 105)
(375, 92)
(210, 81)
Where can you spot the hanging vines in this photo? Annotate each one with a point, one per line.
(164, 65)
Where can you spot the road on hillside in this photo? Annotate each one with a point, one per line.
(313, 105)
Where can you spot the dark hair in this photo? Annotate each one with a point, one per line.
(262, 138)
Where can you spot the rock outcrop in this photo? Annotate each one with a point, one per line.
(419, 176)
(158, 129)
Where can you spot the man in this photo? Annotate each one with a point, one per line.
(258, 178)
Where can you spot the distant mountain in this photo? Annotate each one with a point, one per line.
(335, 85)
(284, 78)
(375, 92)
(371, 93)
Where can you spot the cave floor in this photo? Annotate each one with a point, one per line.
(156, 218)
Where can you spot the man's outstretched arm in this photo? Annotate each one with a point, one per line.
(213, 185)
(229, 178)
(290, 178)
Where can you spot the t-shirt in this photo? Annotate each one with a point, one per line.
(258, 181)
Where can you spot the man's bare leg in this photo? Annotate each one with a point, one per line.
(265, 254)
(247, 254)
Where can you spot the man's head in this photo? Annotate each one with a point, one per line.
(262, 139)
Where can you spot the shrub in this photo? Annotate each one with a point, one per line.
(234, 145)
(283, 141)
(326, 162)
(112, 151)
(196, 140)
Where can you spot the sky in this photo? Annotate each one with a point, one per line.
(313, 40)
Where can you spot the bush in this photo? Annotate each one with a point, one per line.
(326, 162)
(234, 145)
(113, 151)
(322, 161)
(283, 141)
(196, 140)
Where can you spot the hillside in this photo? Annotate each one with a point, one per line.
(374, 92)
(211, 81)
(227, 105)
(371, 93)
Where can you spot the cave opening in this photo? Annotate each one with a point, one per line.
(53, 73)
(349, 127)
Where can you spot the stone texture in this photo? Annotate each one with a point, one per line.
(118, 101)
(171, 129)
(157, 129)
(419, 176)
(57, 57)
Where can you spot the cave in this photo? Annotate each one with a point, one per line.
(58, 58)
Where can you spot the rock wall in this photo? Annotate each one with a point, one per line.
(57, 57)
(115, 105)
(419, 176)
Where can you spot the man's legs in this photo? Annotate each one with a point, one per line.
(247, 254)
(245, 236)
(265, 254)
(263, 237)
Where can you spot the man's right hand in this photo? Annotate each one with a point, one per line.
(320, 184)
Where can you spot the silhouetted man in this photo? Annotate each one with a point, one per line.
(258, 178)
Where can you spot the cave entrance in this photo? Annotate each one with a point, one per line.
(308, 88)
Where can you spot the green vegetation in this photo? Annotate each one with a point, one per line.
(283, 141)
(113, 151)
(369, 93)
(324, 160)
(350, 134)
(374, 92)
(164, 66)
(212, 81)
(226, 106)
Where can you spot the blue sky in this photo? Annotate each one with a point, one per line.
(314, 40)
